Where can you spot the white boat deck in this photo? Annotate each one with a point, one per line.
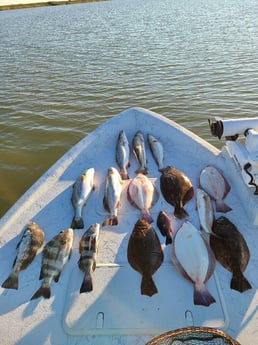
(115, 312)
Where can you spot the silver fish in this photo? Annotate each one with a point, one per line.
(140, 153)
(82, 188)
(88, 249)
(56, 253)
(215, 184)
(27, 248)
(123, 154)
(112, 195)
(205, 210)
(142, 194)
(195, 261)
(157, 150)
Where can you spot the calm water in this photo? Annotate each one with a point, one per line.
(64, 70)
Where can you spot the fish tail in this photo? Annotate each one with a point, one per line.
(87, 284)
(77, 223)
(143, 171)
(11, 282)
(203, 297)
(147, 217)
(180, 212)
(148, 286)
(239, 282)
(43, 291)
(110, 221)
(124, 175)
(168, 240)
(222, 207)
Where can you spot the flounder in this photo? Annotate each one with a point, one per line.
(215, 184)
(231, 250)
(145, 255)
(142, 194)
(194, 260)
(176, 189)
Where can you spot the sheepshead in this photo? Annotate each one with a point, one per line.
(27, 248)
(195, 261)
(88, 249)
(205, 210)
(145, 254)
(123, 154)
(82, 188)
(112, 195)
(177, 189)
(231, 251)
(56, 253)
(157, 151)
(215, 184)
(165, 226)
(142, 194)
(140, 153)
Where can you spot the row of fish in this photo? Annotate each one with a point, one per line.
(56, 254)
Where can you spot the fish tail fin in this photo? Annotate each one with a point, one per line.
(124, 175)
(148, 286)
(143, 171)
(11, 282)
(202, 296)
(147, 217)
(168, 240)
(110, 221)
(77, 223)
(239, 282)
(222, 207)
(180, 212)
(43, 291)
(87, 284)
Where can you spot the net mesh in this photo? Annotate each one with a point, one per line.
(194, 336)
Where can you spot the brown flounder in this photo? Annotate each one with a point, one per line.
(231, 250)
(145, 254)
(176, 189)
(27, 248)
(165, 226)
(194, 260)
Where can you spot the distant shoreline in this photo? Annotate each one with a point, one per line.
(42, 3)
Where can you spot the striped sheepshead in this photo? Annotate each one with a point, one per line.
(194, 260)
(27, 248)
(82, 188)
(88, 249)
(157, 151)
(140, 153)
(123, 154)
(112, 195)
(142, 194)
(56, 253)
